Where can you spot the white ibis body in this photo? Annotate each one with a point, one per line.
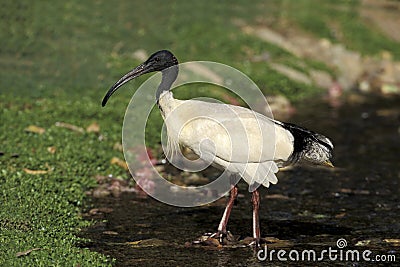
(269, 143)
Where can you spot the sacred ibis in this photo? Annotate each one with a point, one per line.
(270, 143)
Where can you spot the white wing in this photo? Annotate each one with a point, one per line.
(235, 138)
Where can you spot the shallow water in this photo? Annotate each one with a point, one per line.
(309, 208)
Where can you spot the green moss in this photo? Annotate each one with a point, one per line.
(42, 211)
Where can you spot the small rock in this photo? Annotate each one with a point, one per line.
(100, 193)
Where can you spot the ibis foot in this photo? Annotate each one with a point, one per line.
(217, 239)
(255, 244)
(224, 237)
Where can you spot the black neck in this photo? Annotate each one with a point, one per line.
(301, 140)
(169, 76)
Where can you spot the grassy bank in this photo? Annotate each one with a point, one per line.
(58, 59)
(43, 178)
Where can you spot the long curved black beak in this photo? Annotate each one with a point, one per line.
(136, 72)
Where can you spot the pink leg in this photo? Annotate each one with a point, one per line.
(255, 199)
(228, 209)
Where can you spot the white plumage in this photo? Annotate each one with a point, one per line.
(231, 137)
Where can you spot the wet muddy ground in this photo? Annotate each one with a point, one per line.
(309, 208)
